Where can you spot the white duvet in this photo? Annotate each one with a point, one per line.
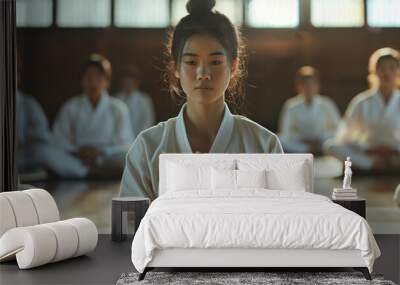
(252, 218)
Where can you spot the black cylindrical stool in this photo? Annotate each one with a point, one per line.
(138, 205)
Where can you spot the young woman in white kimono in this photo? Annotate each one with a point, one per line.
(32, 132)
(370, 131)
(140, 105)
(92, 132)
(205, 62)
(308, 119)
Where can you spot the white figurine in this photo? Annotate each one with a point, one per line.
(347, 174)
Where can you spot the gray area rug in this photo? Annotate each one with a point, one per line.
(269, 278)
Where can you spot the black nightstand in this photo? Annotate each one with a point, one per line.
(138, 205)
(357, 205)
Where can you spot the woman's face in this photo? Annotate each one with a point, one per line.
(94, 82)
(204, 71)
(387, 72)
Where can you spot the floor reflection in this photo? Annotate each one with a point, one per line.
(90, 199)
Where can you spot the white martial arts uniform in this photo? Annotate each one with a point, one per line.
(236, 134)
(32, 131)
(141, 110)
(301, 121)
(106, 127)
(368, 122)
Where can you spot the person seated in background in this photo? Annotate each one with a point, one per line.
(140, 105)
(308, 119)
(370, 130)
(92, 132)
(32, 132)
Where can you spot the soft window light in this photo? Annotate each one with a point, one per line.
(83, 13)
(337, 13)
(34, 13)
(135, 13)
(383, 13)
(273, 13)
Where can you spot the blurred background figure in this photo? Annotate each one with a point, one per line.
(140, 105)
(308, 119)
(32, 133)
(370, 131)
(92, 132)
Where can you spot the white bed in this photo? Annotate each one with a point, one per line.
(194, 223)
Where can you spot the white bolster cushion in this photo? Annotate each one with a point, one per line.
(87, 235)
(40, 244)
(7, 218)
(26, 208)
(67, 239)
(23, 208)
(46, 207)
(33, 246)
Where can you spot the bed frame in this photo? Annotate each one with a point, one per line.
(245, 258)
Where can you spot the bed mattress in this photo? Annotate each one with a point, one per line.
(250, 219)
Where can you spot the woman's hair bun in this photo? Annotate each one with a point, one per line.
(198, 7)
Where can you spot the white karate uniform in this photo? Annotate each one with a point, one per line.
(301, 121)
(32, 131)
(141, 110)
(368, 122)
(236, 134)
(106, 127)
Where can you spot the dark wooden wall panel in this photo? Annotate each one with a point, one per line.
(51, 60)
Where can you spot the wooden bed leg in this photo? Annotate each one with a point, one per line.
(143, 274)
(364, 271)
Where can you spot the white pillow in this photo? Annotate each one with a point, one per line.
(281, 175)
(223, 179)
(215, 163)
(294, 180)
(251, 178)
(181, 177)
(226, 179)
